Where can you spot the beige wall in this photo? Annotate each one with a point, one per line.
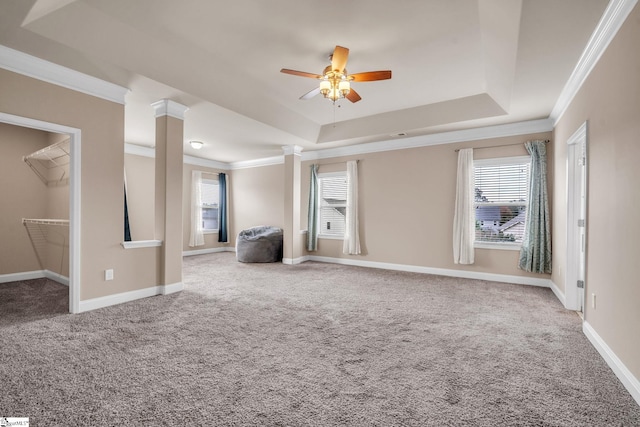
(22, 194)
(102, 169)
(210, 240)
(406, 203)
(256, 197)
(140, 183)
(610, 102)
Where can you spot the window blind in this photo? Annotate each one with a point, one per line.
(210, 193)
(501, 187)
(332, 192)
(502, 183)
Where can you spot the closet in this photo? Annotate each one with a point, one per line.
(34, 217)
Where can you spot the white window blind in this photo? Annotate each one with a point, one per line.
(332, 192)
(501, 187)
(210, 198)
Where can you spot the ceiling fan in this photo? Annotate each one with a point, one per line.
(335, 82)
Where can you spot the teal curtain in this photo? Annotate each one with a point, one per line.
(312, 234)
(222, 208)
(535, 254)
(127, 230)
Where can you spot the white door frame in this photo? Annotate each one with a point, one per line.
(74, 197)
(576, 219)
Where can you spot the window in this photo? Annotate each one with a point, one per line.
(501, 200)
(210, 194)
(332, 204)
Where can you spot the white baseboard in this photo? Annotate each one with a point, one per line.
(505, 278)
(171, 289)
(625, 376)
(558, 293)
(37, 274)
(295, 261)
(109, 300)
(17, 277)
(63, 280)
(208, 251)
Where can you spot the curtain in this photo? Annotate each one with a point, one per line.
(222, 208)
(127, 229)
(196, 237)
(351, 245)
(535, 253)
(312, 234)
(464, 218)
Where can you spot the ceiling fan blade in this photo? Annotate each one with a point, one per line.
(311, 93)
(353, 96)
(370, 76)
(301, 73)
(339, 58)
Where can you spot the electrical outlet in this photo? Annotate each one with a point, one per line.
(108, 274)
(593, 301)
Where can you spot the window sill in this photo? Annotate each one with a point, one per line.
(141, 244)
(209, 231)
(324, 236)
(498, 246)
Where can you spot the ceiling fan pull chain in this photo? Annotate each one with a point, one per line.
(334, 113)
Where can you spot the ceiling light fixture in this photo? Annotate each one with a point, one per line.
(335, 84)
(196, 144)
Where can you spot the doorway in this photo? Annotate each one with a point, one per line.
(74, 196)
(576, 220)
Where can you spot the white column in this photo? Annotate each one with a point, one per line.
(168, 202)
(292, 249)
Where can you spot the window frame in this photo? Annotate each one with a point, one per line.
(319, 205)
(202, 207)
(499, 161)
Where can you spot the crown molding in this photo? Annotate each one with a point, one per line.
(292, 149)
(167, 107)
(512, 129)
(267, 161)
(612, 19)
(498, 131)
(139, 150)
(25, 64)
(199, 161)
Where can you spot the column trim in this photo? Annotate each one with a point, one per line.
(167, 107)
(292, 149)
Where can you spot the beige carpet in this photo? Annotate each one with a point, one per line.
(307, 345)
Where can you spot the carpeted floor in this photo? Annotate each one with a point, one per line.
(307, 345)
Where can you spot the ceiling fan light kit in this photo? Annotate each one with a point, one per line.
(335, 85)
(335, 82)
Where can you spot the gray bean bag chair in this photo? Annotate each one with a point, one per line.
(259, 244)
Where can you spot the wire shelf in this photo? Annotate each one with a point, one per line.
(45, 221)
(51, 163)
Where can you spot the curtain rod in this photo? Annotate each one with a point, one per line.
(546, 141)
